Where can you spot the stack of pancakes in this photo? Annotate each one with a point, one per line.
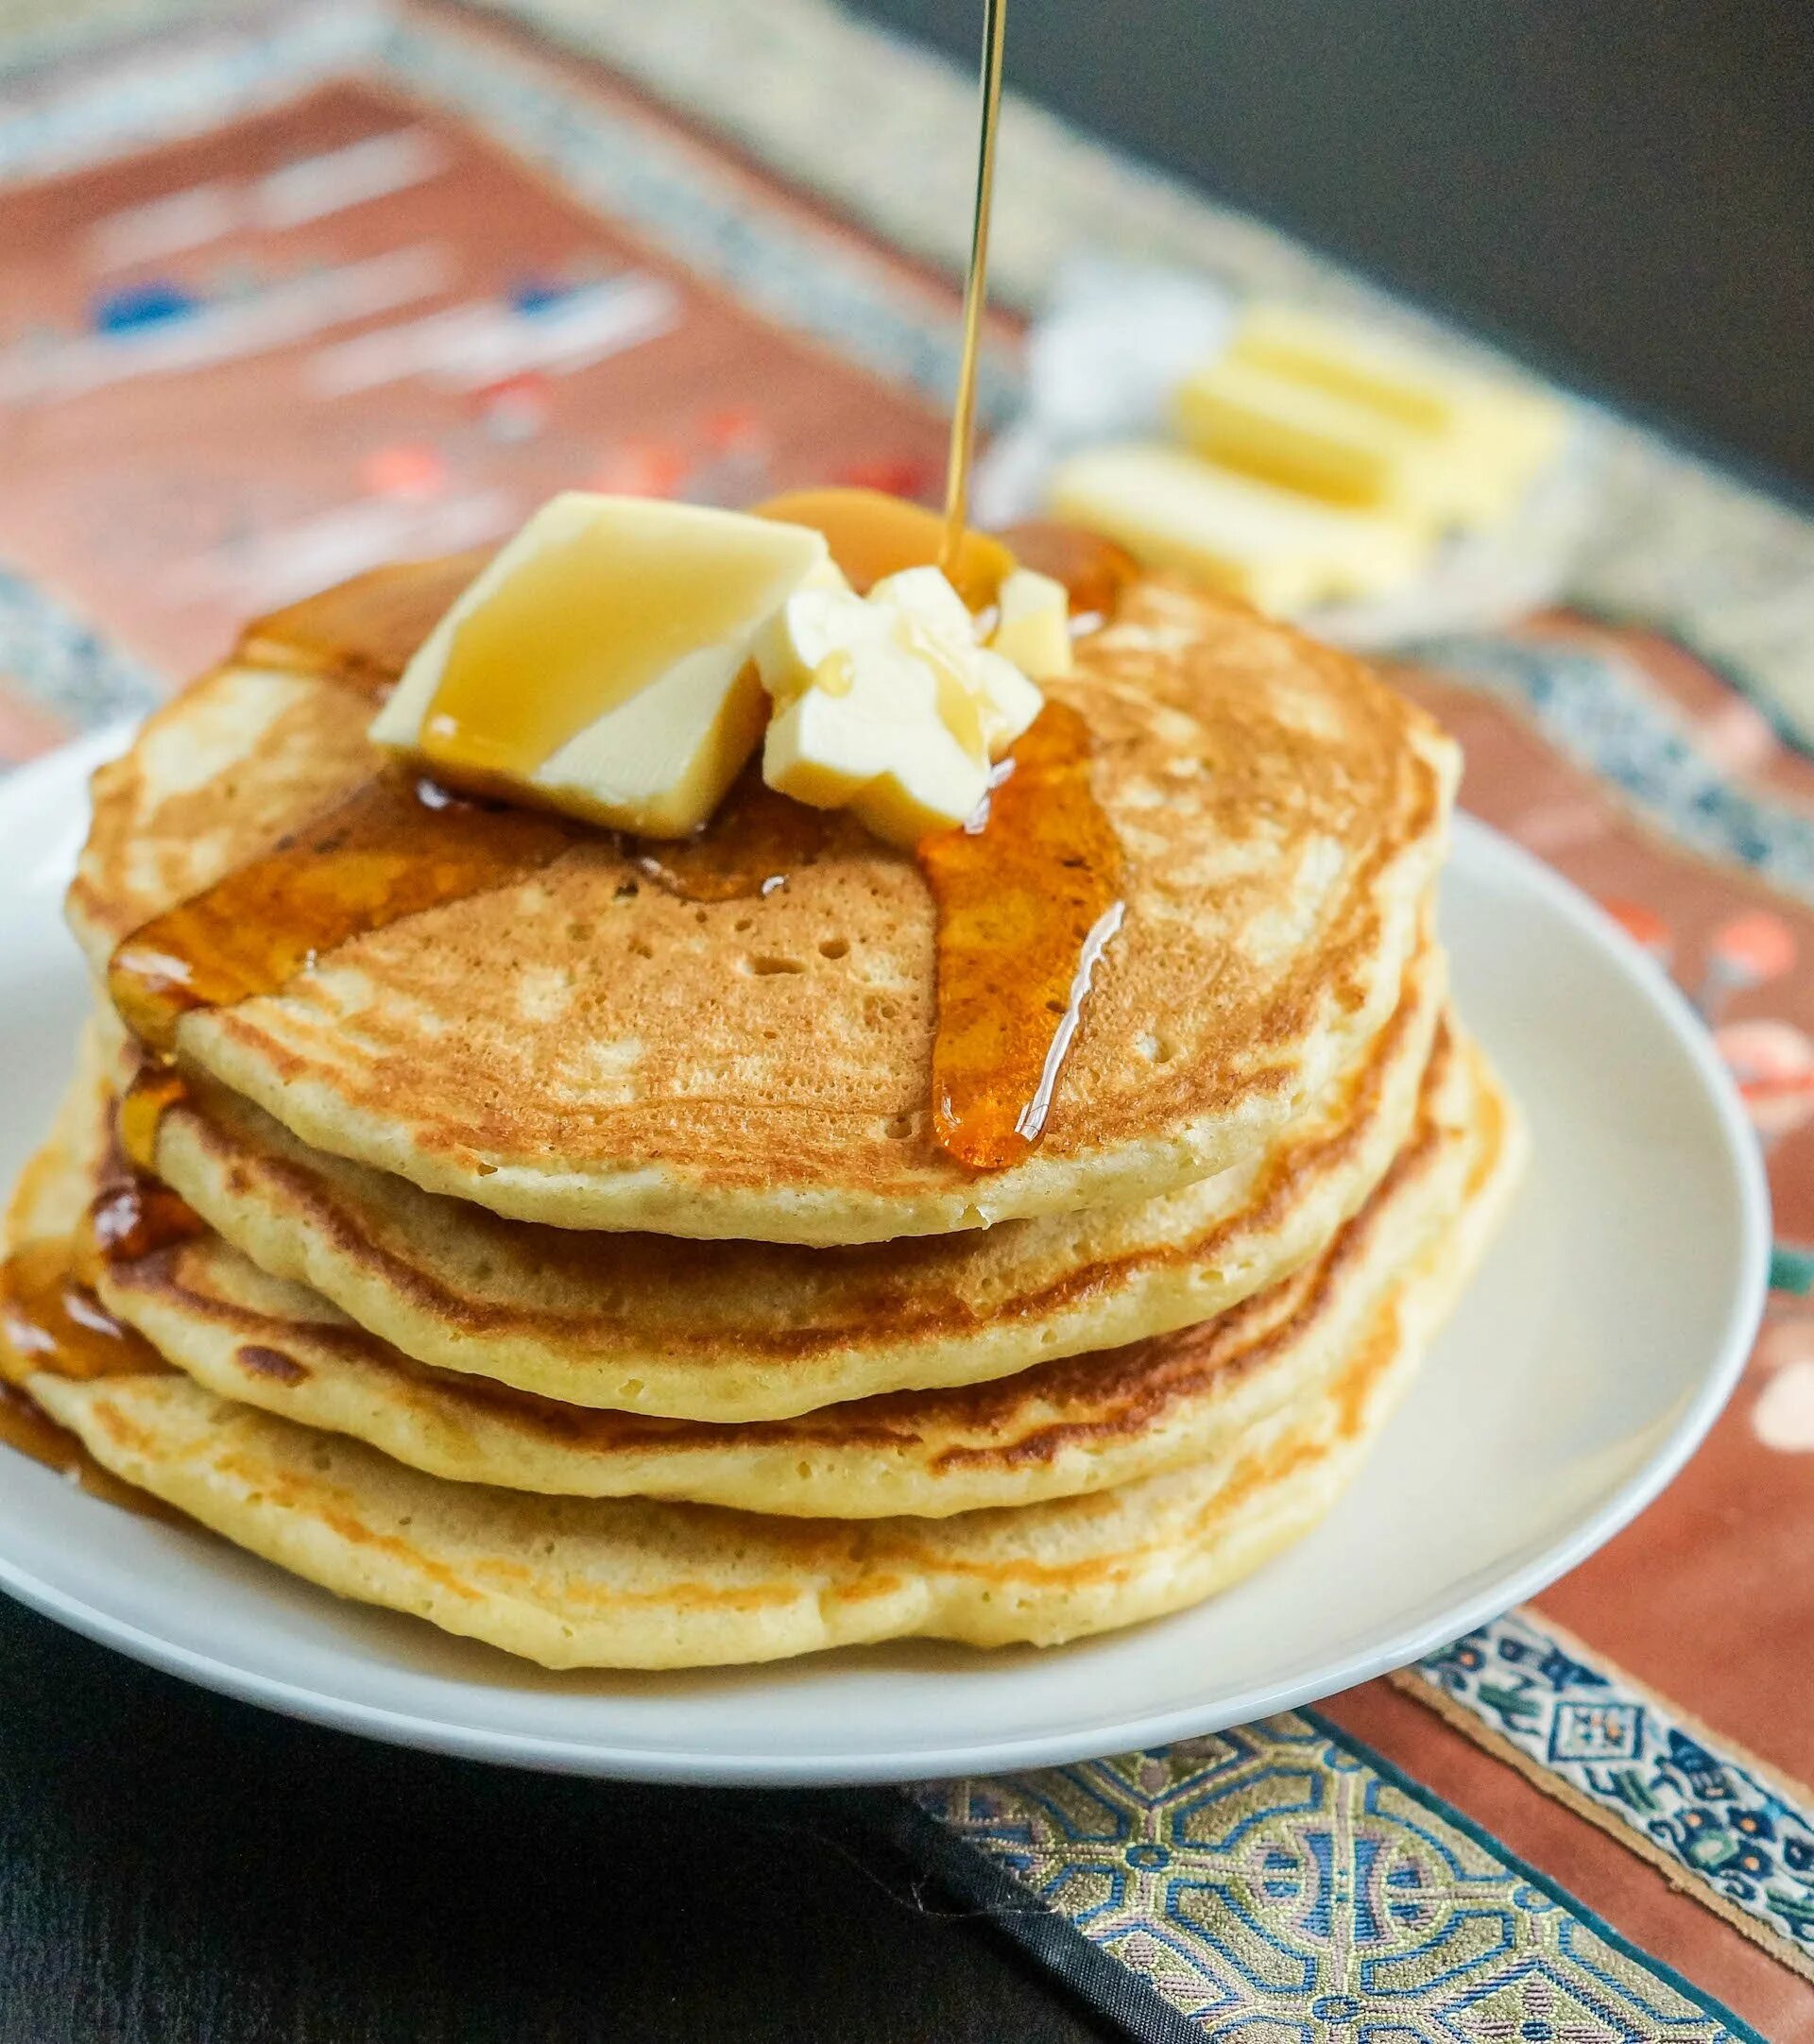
(576, 1265)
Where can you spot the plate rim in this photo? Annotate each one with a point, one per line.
(687, 1766)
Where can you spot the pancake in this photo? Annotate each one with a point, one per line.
(1191, 1397)
(585, 1048)
(580, 1582)
(729, 1331)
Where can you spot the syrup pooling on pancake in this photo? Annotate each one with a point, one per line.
(1028, 897)
(752, 843)
(392, 849)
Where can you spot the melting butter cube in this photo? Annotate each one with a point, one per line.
(1277, 549)
(603, 663)
(1033, 628)
(885, 704)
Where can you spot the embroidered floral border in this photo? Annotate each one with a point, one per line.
(1717, 1821)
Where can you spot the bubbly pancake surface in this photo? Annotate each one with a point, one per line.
(731, 1331)
(573, 1582)
(586, 1048)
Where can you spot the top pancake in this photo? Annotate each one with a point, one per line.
(585, 1048)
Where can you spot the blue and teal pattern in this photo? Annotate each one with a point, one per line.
(1711, 1816)
(1594, 709)
(1279, 1882)
(64, 663)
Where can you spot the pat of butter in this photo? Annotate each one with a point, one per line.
(1328, 446)
(885, 704)
(1279, 550)
(602, 663)
(1033, 625)
(1504, 431)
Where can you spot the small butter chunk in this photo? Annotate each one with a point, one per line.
(987, 701)
(807, 630)
(1034, 628)
(603, 663)
(885, 704)
(873, 743)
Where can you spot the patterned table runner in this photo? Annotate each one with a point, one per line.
(284, 294)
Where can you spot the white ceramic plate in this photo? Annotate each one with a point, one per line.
(1590, 1356)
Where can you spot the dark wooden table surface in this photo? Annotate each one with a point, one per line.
(179, 1869)
(1626, 188)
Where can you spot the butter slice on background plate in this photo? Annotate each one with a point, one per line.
(1328, 446)
(1509, 425)
(1279, 550)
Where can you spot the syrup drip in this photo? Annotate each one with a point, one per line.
(51, 1321)
(361, 632)
(29, 1429)
(750, 846)
(54, 1322)
(142, 1107)
(1029, 897)
(133, 1214)
(392, 849)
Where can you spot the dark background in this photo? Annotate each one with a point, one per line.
(1625, 192)
(179, 1869)
(1620, 190)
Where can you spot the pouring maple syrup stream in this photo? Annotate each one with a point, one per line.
(976, 291)
(1029, 891)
